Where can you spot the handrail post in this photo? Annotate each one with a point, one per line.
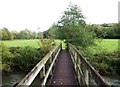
(75, 58)
(87, 77)
(61, 46)
(44, 70)
(50, 63)
(79, 69)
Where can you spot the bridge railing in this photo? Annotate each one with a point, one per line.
(44, 67)
(86, 73)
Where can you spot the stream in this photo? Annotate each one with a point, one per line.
(12, 78)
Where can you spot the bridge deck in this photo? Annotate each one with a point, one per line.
(64, 73)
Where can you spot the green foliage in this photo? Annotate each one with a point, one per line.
(81, 37)
(72, 17)
(52, 31)
(103, 56)
(113, 32)
(24, 58)
(110, 31)
(47, 44)
(27, 34)
(73, 29)
(6, 35)
(6, 67)
(28, 58)
(6, 57)
(106, 63)
(39, 35)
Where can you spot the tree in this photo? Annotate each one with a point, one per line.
(72, 17)
(72, 27)
(26, 34)
(15, 35)
(6, 34)
(39, 35)
(53, 31)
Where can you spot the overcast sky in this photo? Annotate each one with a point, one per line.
(39, 15)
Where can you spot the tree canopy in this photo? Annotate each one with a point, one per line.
(72, 27)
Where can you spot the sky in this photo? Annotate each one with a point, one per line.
(39, 15)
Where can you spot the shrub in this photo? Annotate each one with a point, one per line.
(28, 58)
(106, 63)
(20, 58)
(6, 58)
(6, 67)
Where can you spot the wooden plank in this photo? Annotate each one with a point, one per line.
(64, 73)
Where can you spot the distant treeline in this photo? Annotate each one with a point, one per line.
(111, 31)
(107, 31)
(23, 34)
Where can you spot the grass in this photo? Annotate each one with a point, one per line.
(105, 45)
(21, 43)
(109, 45)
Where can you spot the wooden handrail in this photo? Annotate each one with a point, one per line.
(52, 55)
(85, 70)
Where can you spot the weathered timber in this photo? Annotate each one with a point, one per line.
(64, 72)
(28, 79)
(85, 71)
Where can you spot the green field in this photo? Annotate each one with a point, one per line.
(21, 43)
(109, 44)
(105, 45)
(102, 45)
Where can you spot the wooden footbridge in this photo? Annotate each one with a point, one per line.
(64, 68)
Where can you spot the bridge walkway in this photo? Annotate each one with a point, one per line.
(64, 68)
(64, 73)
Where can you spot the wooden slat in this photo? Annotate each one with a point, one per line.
(64, 73)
